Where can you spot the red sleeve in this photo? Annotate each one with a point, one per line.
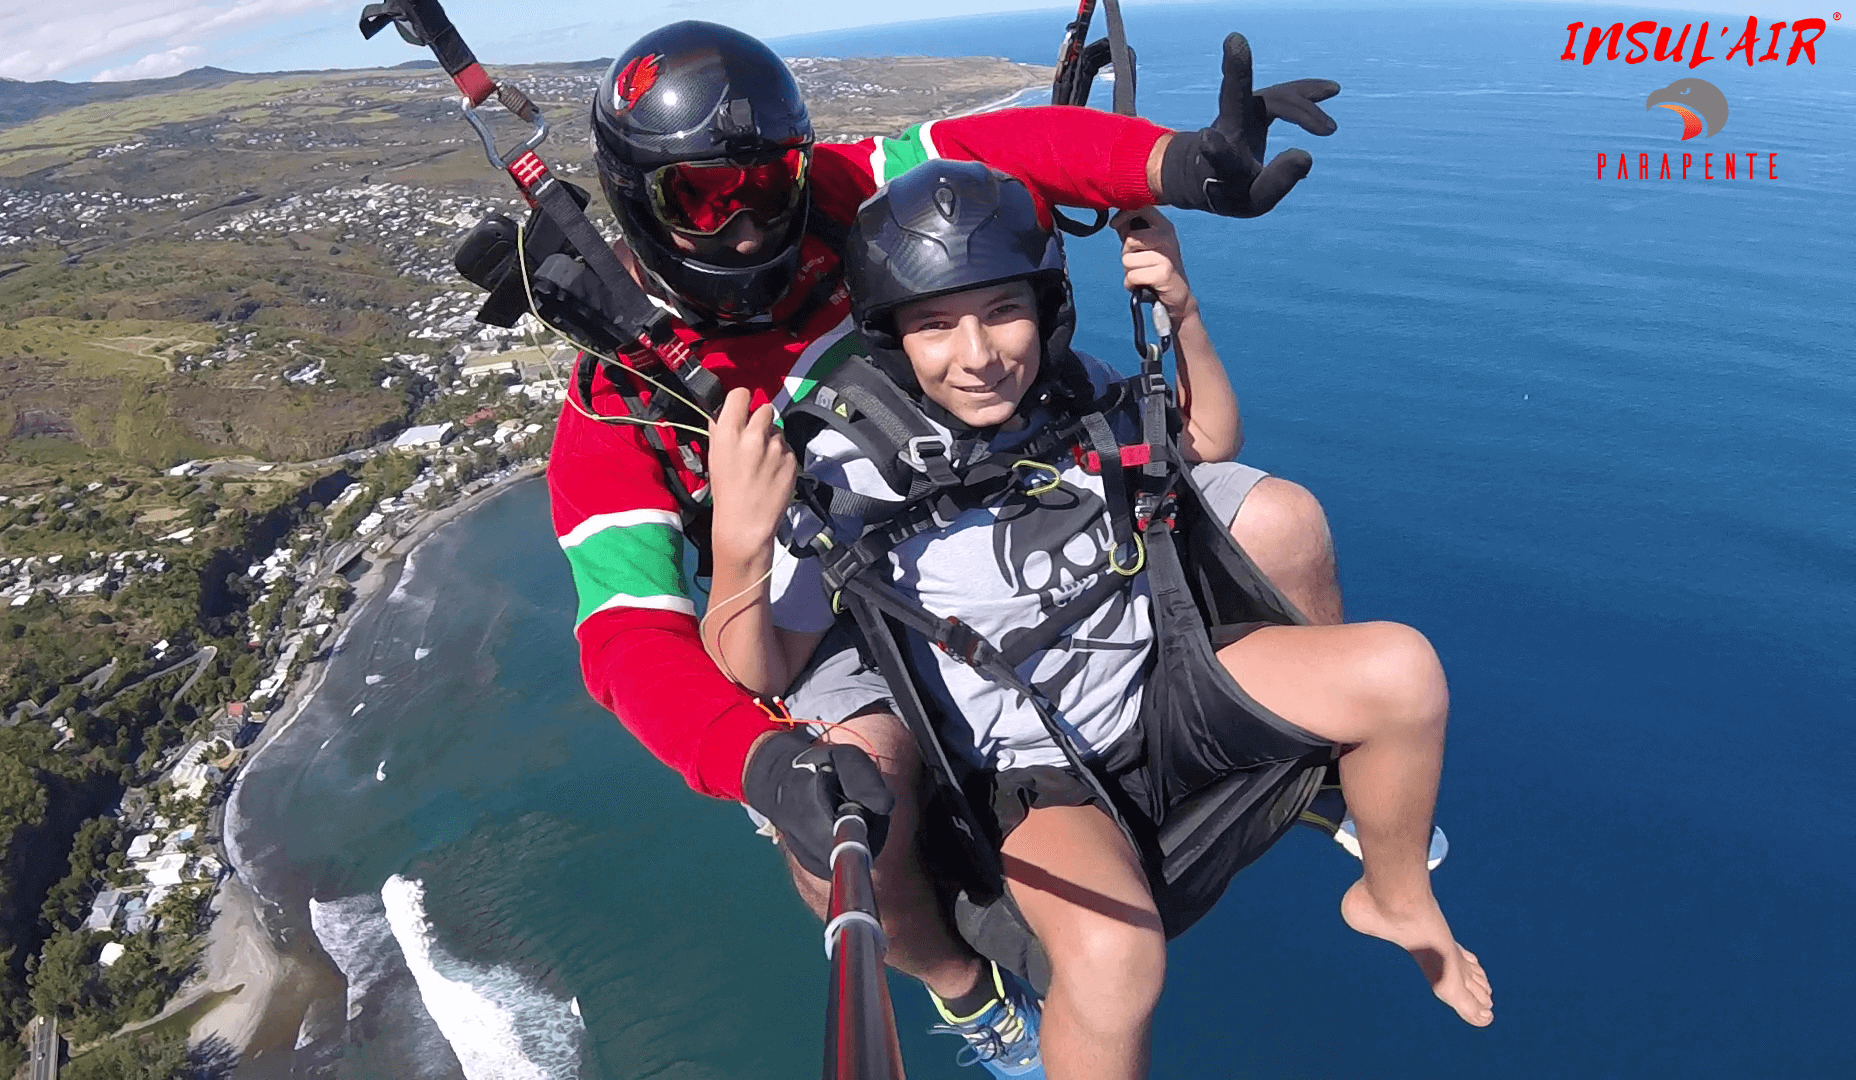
(647, 665)
(1066, 154)
(650, 669)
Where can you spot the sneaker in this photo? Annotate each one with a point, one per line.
(1003, 1036)
(1328, 812)
(1347, 837)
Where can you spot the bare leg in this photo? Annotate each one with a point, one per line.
(1378, 689)
(1081, 888)
(920, 941)
(1284, 530)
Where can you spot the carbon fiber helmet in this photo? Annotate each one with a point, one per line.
(948, 226)
(696, 92)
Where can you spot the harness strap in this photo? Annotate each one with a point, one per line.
(889, 660)
(1022, 644)
(842, 562)
(697, 513)
(1121, 57)
(1136, 454)
(970, 647)
(860, 403)
(1114, 484)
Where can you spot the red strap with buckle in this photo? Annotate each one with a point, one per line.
(1138, 454)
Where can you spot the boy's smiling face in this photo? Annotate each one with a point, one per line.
(976, 352)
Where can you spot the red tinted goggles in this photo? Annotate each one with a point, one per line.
(700, 198)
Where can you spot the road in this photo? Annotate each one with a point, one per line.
(44, 1049)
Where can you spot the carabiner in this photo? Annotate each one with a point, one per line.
(1055, 481)
(1163, 325)
(498, 159)
(1140, 558)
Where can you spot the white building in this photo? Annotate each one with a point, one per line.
(424, 436)
(168, 871)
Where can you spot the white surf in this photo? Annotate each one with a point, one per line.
(406, 574)
(500, 1025)
(354, 932)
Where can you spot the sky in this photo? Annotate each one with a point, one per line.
(133, 39)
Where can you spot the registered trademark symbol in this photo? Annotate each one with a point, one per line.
(1836, 16)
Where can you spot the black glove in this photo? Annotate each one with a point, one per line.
(799, 785)
(1220, 168)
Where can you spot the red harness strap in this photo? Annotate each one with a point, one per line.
(1138, 454)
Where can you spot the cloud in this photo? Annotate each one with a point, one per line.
(154, 66)
(45, 41)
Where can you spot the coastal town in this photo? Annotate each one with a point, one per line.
(151, 894)
(489, 394)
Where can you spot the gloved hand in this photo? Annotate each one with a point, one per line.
(799, 784)
(1220, 168)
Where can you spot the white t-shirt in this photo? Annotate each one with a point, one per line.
(1001, 569)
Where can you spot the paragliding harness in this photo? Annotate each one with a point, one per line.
(557, 265)
(1077, 67)
(1195, 828)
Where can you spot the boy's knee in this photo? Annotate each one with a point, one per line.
(1284, 519)
(1400, 672)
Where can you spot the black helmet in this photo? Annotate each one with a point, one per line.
(694, 124)
(948, 226)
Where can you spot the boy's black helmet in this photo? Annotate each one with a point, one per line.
(696, 92)
(948, 226)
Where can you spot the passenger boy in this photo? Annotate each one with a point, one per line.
(960, 291)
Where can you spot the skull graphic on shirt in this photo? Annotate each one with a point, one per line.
(1055, 546)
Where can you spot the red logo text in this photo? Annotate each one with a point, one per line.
(1647, 40)
(1705, 169)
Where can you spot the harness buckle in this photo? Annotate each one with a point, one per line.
(960, 641)
(1132, 455)
(911, 452)
(929, 454)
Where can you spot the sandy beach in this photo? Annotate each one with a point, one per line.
(264, 983)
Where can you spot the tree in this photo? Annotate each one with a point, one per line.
(22, 798)
(61, 983)
(134, 1057)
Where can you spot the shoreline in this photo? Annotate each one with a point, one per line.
(266, 982)
(303, 691)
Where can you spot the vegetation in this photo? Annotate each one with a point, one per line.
(90, 1000)
(142, 1056)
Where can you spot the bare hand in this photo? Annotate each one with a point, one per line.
(1150, 255)
(751, 473)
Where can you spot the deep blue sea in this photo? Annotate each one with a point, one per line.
(1594, 436)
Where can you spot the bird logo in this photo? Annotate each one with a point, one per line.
(640, 76)
(1695, 100)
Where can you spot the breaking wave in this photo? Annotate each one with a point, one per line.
(406, 574)
(500, 1025)
(354, 932)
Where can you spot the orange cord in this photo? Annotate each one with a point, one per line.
(780, 714)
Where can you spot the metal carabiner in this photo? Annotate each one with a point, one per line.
(1163, 325)
(499, 160)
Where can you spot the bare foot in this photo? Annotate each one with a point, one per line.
(1455, 974)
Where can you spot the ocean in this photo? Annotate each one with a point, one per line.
(1593, 436)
